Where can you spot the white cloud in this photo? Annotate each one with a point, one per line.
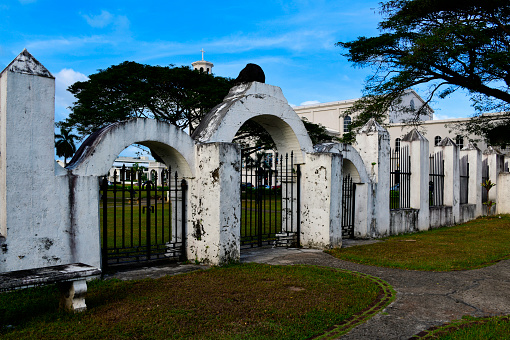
(63, 98)
(310, 102)
(100, 21)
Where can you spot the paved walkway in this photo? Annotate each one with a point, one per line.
(424, 299)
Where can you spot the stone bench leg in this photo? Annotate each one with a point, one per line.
(72, 295)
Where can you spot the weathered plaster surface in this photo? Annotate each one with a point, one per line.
(264, 104)
(98, 152)
(321, 202)
(215, 209)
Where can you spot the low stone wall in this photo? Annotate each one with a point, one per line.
(441, 216)
(467, 212)
(403, 221)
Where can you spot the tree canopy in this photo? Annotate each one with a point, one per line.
(448, 45)
(64, 144)
(177, 95)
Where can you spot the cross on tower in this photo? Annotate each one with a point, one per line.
(202, 50)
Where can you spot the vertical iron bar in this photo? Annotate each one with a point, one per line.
(123, 186)
(115, 209)
(140, 187)
(176, 219)
(148, 220)
(292, 204)
(286, 192)
(131, 192)
(298, 210)
(184, 188)
(105, 222)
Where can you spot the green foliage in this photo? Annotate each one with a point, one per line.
(488, 185)
(177, 95)
(446, 45)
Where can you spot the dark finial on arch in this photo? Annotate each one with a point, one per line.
(251, 72)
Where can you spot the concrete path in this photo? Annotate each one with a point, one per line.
(424, 299)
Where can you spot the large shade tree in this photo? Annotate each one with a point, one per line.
(447, 45)
(177, 95)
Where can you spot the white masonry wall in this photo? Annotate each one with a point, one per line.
(35, 224)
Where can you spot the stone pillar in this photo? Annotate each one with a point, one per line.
(474, 156)
(451, 177)
(419, 152)
(321, 201)
(495, 161)
(503, 203)
(373, 145)
(215, 207)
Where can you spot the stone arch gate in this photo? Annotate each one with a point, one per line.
(146, 221)
(270, 190)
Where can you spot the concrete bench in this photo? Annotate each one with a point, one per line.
(71, 280)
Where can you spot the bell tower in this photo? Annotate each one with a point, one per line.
(202, 65)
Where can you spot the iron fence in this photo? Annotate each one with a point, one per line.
(400, 181)
(142, 221)
(348, 206)
(270, 194)
(464, 180)
(436, 179)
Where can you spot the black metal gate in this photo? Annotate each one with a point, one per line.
(142, 219)
(270, 200)
(348, 199)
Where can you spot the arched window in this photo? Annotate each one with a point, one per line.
(412, 104)
(397, 145)
(347, 122)
(201, 69)
(460, 141)
(437, 140)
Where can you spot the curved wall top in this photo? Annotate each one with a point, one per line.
(264, 104)
(348, 153)
(98, 152)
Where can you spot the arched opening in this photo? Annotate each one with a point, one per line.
(141, 210)
(269, 186)
(141, 205)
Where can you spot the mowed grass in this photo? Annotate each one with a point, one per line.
(495, 328)
(475, 244)
(249, 301)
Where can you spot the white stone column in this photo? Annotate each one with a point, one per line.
(321, 201)
(495, 162)
(215, 208)
(475, 176)
(419, 152)
(373, 145)
(451, 177)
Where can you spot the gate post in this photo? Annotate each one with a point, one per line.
(321, 214)
(215, 208)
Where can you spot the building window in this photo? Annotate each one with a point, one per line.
(397, 145)
(460, 141)
(412, 104)
(437, 140)
(347, 122)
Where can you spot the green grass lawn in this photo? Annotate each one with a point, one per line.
(249, 301)
(475, 244)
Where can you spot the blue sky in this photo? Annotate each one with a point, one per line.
(293, 41)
